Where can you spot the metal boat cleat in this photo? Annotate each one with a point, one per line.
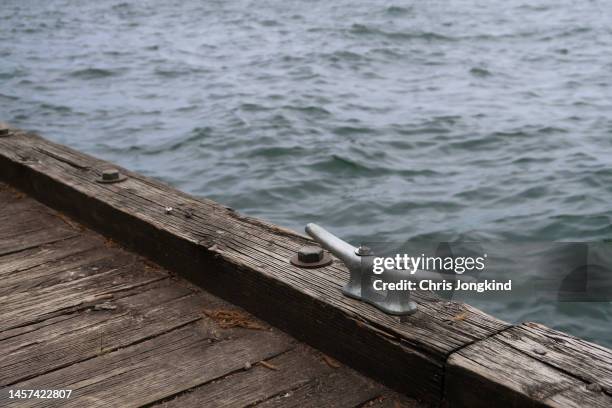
(359, 262)
(345, 252)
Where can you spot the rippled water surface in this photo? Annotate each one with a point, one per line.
(379, 120)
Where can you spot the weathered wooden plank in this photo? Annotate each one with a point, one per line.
(15, 204)
(26, 224)
(246, 261)
(291, 379)
(73, 267)
(15, 211)
(19, 330)
(26, 214)
(587, 361)
(339, 388)
(158, 368)
(244, 388)
(118, 323)
(533, 367)
(28, 239)
(46, 253)
(25, 308)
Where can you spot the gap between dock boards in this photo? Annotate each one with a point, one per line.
(429, 355)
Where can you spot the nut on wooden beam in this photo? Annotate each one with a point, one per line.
(5, 129)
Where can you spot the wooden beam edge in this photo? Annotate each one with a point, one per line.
(529, 365)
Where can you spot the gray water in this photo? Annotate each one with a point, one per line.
(439, 120)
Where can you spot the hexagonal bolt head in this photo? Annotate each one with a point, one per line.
(310, 254)
(110, 174)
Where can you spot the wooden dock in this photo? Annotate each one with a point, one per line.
(82, 311)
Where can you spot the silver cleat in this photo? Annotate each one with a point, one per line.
(359, 262)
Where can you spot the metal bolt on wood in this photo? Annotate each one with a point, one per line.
(4, 129)
(110, 176)
(310, 254)
(311, 257)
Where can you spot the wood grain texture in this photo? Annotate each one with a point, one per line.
(155, 369)
(24, 308)
(81, 263)
(82, 313)
(26, 224)
(299, 378)
(245, 261)
(13, 265)
(28, 239)
(338, 388)
(119, 323)
(586, 361)
(530, 365)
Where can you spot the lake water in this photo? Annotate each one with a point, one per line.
(379, 120)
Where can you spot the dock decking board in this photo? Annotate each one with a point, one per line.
(79, 312)
(462, 362)
(165, 365)
(89, 334)
(22, 226)
(20, 309)
(42, 255)
(294, 369)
